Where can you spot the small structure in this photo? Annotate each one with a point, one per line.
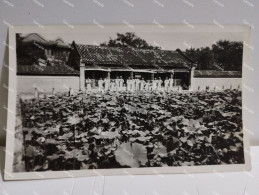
(95, 62)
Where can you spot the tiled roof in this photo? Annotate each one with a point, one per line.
(217, 74)
(132, 57)
(46, 70)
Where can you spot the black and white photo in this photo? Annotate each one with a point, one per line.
(122, 100)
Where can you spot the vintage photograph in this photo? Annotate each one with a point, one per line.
(127, 99)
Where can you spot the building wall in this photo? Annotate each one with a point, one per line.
(216, 82)
(27, 84)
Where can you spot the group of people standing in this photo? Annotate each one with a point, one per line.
(132, 84)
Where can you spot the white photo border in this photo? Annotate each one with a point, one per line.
(11, 115)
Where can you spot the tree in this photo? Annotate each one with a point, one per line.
(129, 39)
(224, 55)
(206, 59)
(202, 56)
(228, 54)
(193, 54)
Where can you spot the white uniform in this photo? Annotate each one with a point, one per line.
(112, 86)
(171, 84)
(142, 85)
(100, 85)
(137, 82)
(106, 84)
(129, 83)
(154, 85)
(148, 87)
(88, 85)
(166, 85)
(117, 84)
(133, 85)
(159, 85)
(121, 84)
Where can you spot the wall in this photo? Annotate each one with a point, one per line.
(216, 82)
(46, 83)
(62, 83)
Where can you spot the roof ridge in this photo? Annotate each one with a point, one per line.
(132, 48)
(37, 35)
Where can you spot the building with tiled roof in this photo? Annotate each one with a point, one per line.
(96, 62)
(125, 57)
(53, 49)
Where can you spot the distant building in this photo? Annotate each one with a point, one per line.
(95, 62)
(56, 51)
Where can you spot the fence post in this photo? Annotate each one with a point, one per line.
(82, 77)
(238, 87)
(223, 87)
(70, 91)
(36, 92)
(53, 91)
(198, 88)
(192, 77)
(230, 87)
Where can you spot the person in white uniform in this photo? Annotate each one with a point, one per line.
(129, 83)
(166, 86)
(142, 84)
(137, 83)
(133, 84)
(159, 84)
(106, 84)
(121, 83)
(100, 84)
(146, 87)
(88, 84)
(154, 84)
(171, 84)
(117, 83)
(112, 86)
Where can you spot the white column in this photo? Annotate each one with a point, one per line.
(131, 74)
(191, 78)
(109, 74)
(152, 76)
(82, 77)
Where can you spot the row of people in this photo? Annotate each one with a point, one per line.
(132, 84)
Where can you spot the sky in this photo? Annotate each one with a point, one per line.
(166, 40)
